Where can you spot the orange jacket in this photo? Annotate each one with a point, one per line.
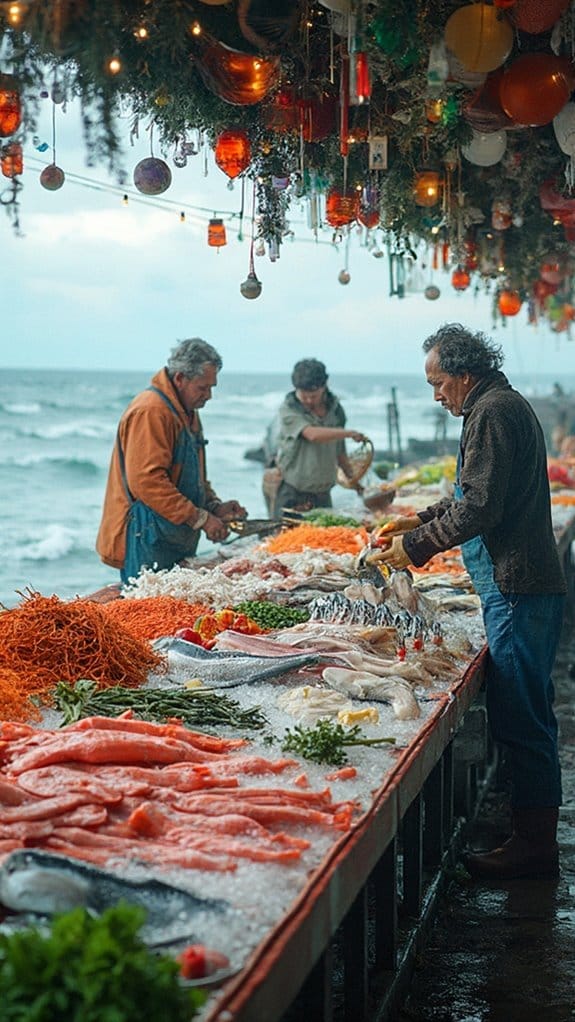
(148, 432)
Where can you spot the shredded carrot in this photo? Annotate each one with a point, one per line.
(339, 539)
(446, 563)
(14, 703)
(153, 616)
(46, 640)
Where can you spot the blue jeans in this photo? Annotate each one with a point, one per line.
(522, 634)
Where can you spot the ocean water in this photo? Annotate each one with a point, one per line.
(57, 430)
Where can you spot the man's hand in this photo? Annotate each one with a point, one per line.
(394, 555)
(230, 510)
(215, 529)
(398, 526)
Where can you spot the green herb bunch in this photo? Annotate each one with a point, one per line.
(270, 615)
(326, 742)
(91, 969)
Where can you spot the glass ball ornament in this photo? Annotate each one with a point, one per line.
(152, 176)
(52, 178)
(432, 292)
(251, 287)
(344, 276)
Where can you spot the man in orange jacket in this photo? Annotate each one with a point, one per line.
(158, 498)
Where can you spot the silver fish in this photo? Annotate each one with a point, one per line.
(45, 883)
(222, 669)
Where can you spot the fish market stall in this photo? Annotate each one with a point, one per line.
(263, 753)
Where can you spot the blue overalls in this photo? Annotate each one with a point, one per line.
(522, 633)
(151, 540)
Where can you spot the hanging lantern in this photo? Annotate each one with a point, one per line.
(12, 163)
(152, 176)
(233, 152)
(509, 302)
(479, 37)
(10, 106)
(426, 187)
(52, 178)
(341, 208)
(216, 233)
(460, 279)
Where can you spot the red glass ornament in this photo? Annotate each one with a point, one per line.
(241, 79)
(534, 88)
(509, 302)
(233, 152)
(12, 162)
(10, 106)
(471, 261)
(504, 5)
(460, 279)
(341, 208)
(368, 216)
(216, 233)
(542, 289)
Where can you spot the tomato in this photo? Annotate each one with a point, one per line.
(197, 961)
(189, 635)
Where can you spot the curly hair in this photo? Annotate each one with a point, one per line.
(191, 356)
(461, 351)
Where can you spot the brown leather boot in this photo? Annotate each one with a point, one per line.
(531, 851)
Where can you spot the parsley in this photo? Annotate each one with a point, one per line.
(90, 969)
(326, 741)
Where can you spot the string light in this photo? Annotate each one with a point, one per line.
(15, 13)
(114, 65)
(196, 28)
(141, 33)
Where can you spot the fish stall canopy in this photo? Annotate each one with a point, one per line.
(443, 132)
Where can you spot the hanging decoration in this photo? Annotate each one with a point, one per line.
(479, 36)
(10, 106)
(509, 302)
(11, 159)
(432, 292)
(233, 152)
(152, 176)
(217, 233)
(341, 208)
(251, 287)
(485, 150)
(537, 16)
(241, 79)
(460, 279)
(534, 88)
(426, 188)
(52, 178)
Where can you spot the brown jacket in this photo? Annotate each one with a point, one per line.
(148, 433)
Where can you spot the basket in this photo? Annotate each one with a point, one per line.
(359, 460)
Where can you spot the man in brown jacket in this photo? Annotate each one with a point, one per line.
(158, 498)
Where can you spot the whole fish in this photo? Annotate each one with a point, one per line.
(44, 883)
(222, 669)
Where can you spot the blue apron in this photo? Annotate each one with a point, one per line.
(153, 541)
(475, 554)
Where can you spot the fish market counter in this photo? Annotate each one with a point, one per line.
(362, 913)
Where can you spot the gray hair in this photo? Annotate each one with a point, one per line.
(460, 351)
(191, 356)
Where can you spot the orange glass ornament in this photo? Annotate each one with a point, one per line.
(426, 187)
(534, 88)
(460, 279)
(509, 302)
(341, 208)
(12, 162)
(434, 110)
(233, 152)
(10, 106)
(368, 216)
(216, 233)
(241, 79)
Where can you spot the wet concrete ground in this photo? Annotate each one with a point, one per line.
(506, 952)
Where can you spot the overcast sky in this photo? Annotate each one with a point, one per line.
(96, 284)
